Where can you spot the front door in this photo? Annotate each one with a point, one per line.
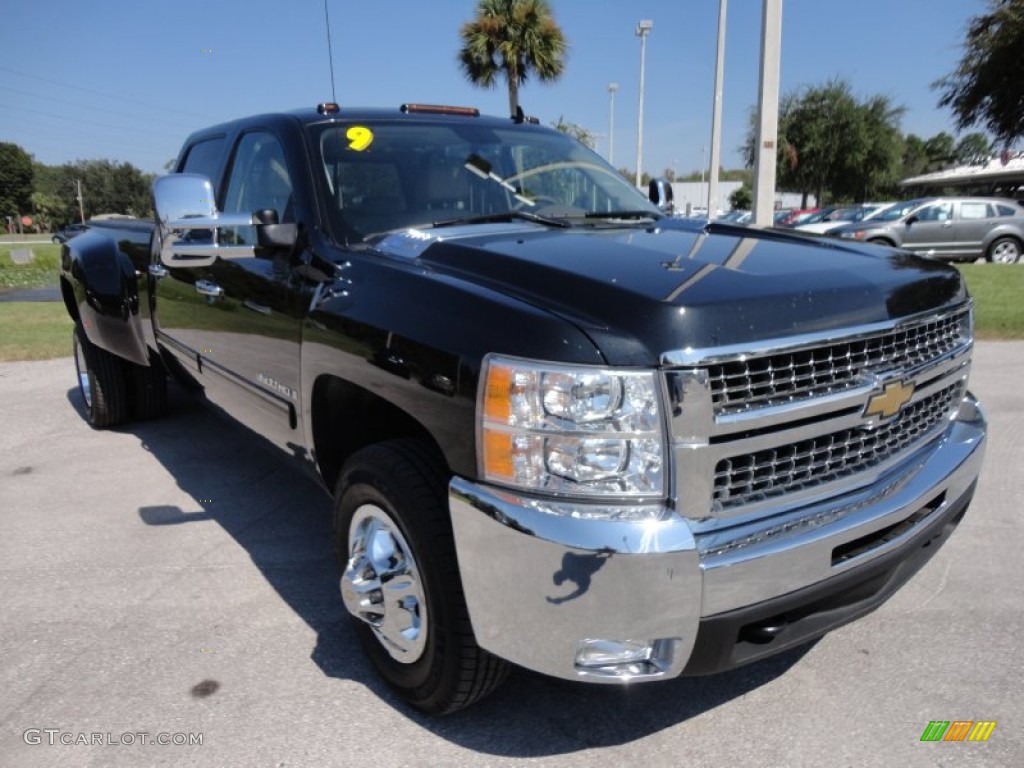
(251, 308)
(931, 233)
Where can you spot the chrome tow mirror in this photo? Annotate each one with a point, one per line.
(189, 222)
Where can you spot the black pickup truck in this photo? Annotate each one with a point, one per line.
(561, 429)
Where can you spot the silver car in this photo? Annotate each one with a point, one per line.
(950, 228)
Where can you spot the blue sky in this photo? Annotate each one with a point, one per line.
(128, 80)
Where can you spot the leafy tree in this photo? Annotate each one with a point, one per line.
(833, 145)
(973, 148)
(15, 180)
(940, 149)
(987, 88)
(49, 210)
(741, 198)
(107, 187)
(578, 132)
(914, 158)
(515, 39)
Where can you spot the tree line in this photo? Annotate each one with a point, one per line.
(48, 194)
(841, 148)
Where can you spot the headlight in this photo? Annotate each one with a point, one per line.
(571, 430)
(859, 235)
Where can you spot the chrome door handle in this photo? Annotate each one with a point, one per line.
(206, 288)
(158, 271)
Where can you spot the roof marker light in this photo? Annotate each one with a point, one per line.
(437, 109)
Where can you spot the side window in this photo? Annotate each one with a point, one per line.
(937, 212)
(259, 180)
(204, 158)
(1005, 210)
(970, 211)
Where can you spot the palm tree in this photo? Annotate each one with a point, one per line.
(514, 37)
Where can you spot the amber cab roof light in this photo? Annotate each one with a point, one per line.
(437, 109)
(328, 108)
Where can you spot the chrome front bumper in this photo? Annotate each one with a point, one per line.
(546, 582)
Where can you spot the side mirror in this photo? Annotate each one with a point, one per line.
(659, 192)
(189, 222)
(271, 234)
(911, 219)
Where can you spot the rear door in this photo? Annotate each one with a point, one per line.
(176, 297)
(975, 220)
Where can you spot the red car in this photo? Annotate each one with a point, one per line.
(796, 216)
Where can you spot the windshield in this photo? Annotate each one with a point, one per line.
(394, 175)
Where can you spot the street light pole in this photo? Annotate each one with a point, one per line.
(643, 27)
(612, 88)
(716, 115)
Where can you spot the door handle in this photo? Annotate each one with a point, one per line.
(206, 288)
(158, 271)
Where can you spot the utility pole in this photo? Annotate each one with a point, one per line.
(612, 88)
(81, 205)
(766, 149)
(643, 28)
(716, 115)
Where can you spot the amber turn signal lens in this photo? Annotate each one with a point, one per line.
(498, 394)
(498, 455)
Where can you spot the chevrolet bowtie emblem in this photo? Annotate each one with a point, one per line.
(890, 400)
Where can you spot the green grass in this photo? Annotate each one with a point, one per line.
(998, 291)
(34, 330)
(43, 271)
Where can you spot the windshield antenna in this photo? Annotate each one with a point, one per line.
(330, 51)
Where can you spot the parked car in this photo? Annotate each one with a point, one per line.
(741, 218)
(66, 233)
(827, 220)
(951, 228)
(794, 217)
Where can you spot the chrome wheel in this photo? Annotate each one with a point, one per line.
(381, 584)
(1006, 252)
(83, 374)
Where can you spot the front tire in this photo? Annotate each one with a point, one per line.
(400, 579)
(102, 382)
(1005, 250)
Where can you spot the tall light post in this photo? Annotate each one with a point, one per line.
(716, 115)
(643, 27)
(612, 88)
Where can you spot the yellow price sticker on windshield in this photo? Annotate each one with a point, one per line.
(359, 137)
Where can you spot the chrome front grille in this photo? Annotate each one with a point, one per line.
(754, 477)
(760, 431)
(756, 382)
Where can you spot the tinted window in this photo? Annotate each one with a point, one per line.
(204, 158)
(974, 211)
(259, 180)
(937, 212)
(1005, 210)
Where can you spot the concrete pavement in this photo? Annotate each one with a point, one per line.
(177, 577)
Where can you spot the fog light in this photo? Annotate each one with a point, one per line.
(610, 653)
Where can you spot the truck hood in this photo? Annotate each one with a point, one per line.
(642, 292)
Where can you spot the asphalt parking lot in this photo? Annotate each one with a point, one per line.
(177, 578)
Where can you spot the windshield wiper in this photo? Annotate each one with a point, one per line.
(637, 214)
(505, 216)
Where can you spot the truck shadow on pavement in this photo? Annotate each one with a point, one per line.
(282, 519)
